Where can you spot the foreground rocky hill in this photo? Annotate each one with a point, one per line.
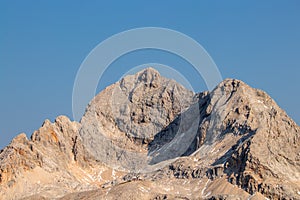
(147, 137)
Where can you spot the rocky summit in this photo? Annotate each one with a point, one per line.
(147, 137)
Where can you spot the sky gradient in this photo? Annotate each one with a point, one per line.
(42, 45)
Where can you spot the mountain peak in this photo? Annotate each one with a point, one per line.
(130, 113)
(149, 70)
(148, 76)
(149, 137)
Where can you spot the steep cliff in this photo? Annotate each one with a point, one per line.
(147, 137)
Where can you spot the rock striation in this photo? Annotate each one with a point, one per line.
(147, 137)
(122, 120)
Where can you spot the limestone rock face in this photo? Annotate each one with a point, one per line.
(121, 120)
(147, 137)
(52, 163)
(265, 154)
(139, 105)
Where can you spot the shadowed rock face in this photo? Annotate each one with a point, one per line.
(147, 137)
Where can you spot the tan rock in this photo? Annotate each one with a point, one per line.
(234, 142)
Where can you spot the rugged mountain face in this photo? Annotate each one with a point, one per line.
(147, 137)
(53, 162)
(122, 120)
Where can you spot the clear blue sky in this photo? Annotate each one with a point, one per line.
(43, 43)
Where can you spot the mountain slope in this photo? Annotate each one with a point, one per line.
(122, 120)
(147, 137)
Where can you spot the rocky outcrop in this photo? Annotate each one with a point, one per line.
(147, 137)
(52, 163)
(266, 157)
(124, 118)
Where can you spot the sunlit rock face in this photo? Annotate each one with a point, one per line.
(147, 137)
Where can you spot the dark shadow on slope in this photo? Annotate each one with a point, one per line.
(233, 149)
(182, 136)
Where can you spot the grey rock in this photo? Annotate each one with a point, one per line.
(147, 137)
(123, 119)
